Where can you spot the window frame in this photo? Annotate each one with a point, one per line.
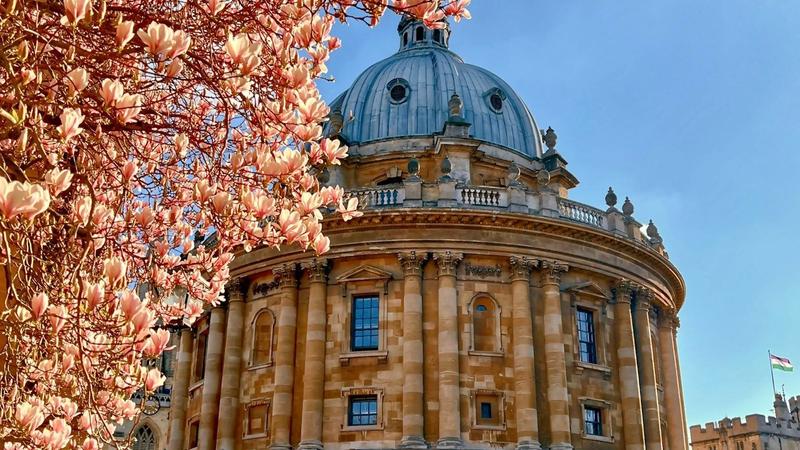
(595, 423)
(498, 316)
(591, 353)
(369, 400)
(194, 421)
(153, 434)
(477, 399)
(251, 364)
(377, 325)
(198, 361)
(361, 392)
(246, 425)
(606, 419)
(597, 305)
(362, 280)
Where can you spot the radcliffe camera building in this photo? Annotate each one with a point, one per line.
(473, 305)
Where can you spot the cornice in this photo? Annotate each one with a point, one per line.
(382, 220)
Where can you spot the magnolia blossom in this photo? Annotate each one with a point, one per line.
(135, 169)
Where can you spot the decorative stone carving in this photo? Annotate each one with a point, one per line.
(287, 275)
(317, 270)
(448, 262)
(483, 271)
(236, 289)
(627, 207)
(412, 262)
(513, 174)
(262, 289)
(652, 232)
(337, 122)
(611, 198)
(446, 167)
(543, 178)
(552, 270)
(413, 169)
(521, 267)
(622, 291)
(644, 298)
(550, 137)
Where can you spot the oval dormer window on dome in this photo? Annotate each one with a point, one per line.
(496, 100)
(398, 90)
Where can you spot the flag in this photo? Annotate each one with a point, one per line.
(781, 363)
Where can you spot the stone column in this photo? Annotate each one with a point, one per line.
(314, 372)
(667, 329)
(284, 358)
(231, 367)
(555, 358)
(413, 352)
(632, 429)
(647, 369)
(449, 374)
(524, 384)
(180, 391)
(206, 439)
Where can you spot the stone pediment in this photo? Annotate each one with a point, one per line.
(364, 273)
(588, 288)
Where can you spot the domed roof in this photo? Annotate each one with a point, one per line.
(407, 95)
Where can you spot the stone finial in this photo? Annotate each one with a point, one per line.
(627, 207)
(413, 168)
(550, 137)
(611, 198)
(543, 178)
(513, 174)
(337, 122)
(455, 105)
(446, 167)
(652, 232)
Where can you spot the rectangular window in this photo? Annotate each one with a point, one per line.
(200, 357)
(365, 323)
(586, 338)
(257, 419)
(194, 431)
(363, 410)
(486, 410)
(593, 421)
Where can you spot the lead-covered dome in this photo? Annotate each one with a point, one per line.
(407, 95)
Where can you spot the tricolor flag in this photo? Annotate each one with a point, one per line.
(781, 363)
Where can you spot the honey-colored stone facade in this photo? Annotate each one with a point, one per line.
(480, 265)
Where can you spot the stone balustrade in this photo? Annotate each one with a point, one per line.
(512, 199)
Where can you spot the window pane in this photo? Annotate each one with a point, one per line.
(365, 323)
(486, 410)
(363, 411)
(586, 337)
(593, 422)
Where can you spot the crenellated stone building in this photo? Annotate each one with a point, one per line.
(756, 432)
(473, 305)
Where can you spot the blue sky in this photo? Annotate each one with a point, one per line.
(691, 109)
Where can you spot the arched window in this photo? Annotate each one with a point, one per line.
(263, 326)
(485, 325)
(405, 39)
(144, 439)
(437, 36)
(419, 34)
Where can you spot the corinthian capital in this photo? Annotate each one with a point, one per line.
(412, 262)
(551, 271)
(236, 289)
(521, 267)
(286, 274)
(317, 270)
(623, 290)
(644, 298)
(668, 318)
(448, 262)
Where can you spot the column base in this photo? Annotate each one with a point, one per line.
(413, 442)
(310, 445)
(450, 443)
(561, 446)
(529, 445)
(280, 447)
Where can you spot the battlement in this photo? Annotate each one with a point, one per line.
(753, 423)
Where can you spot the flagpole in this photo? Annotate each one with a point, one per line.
(771, 372)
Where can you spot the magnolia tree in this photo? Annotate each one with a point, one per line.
(132, 134)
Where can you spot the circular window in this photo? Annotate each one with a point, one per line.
(398, 92)
(480, 308)
(496, 101)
